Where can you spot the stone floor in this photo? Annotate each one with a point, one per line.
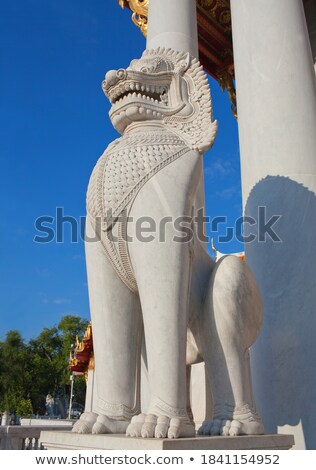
(68, 440)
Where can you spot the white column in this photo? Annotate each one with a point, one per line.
(173, 23)
(276, 95)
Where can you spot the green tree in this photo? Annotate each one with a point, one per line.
(44, 354)
(24, 408)
(50, 362)
(29, 372)
(14, 371)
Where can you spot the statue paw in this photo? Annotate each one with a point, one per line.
(105, 425)
(244, 421)
(134, 429)
(214, 427)
(85, 424)
(180, 428)
(243, 427)
(159, 427)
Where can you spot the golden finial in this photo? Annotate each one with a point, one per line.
(140, 12)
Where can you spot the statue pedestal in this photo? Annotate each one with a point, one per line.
(52, 440)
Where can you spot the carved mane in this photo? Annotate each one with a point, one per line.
(199, 129)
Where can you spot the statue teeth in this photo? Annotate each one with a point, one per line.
(154, 113)
(141, 110)
(142, 88)
(139, 95)
(132, 86)
(152, 89)
(134, 94)
(137, 86)
(131, 111)
(147, 89)
(156, 101)
(149, 112)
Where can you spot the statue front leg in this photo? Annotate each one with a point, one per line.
(229, 325)
(162, 270)
(117, 336)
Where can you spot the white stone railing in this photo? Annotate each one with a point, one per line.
(24, 437)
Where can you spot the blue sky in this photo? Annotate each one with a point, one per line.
(54, 126)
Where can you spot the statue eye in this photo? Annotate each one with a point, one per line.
(144, 69)
(121, 73)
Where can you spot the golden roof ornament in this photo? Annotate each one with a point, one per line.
(140, 12)
(80, 356)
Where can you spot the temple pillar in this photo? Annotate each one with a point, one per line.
(276, 98)
(173, 24)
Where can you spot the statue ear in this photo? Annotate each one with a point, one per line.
(184, 64)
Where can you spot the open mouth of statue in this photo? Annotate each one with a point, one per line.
(135, 91)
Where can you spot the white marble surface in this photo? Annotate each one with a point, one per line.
(276, 94)
(53, 440)
(165, 291)
(191, 309)
(173, 24)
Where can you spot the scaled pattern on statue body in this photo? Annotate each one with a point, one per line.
(118, 176)
(171, 297)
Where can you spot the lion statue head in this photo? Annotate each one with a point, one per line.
(167, 87)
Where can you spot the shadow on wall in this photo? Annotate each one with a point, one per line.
(284, 356)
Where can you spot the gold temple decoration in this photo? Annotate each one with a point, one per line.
(91, 362)
(140, 12)
(81, 356)
(90, 367)
(219, 10)
(226, 82)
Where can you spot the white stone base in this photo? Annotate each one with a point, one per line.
(47, 422)
(67, 440)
